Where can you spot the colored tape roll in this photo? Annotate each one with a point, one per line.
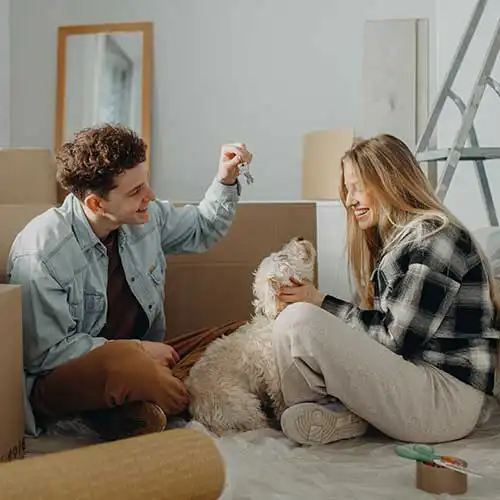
(436, 479)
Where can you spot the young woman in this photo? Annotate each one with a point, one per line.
(416, 357)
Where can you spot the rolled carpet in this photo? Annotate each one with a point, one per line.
(179, 464)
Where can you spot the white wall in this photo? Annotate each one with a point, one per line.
(4, 73)
(82, 52)
(464, 197)
(333, 273)
(259, 71)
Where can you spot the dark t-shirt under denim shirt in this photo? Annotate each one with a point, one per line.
(125, 317)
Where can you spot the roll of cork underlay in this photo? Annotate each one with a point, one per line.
(179, 464)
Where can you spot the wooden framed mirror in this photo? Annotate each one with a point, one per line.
(104, 74)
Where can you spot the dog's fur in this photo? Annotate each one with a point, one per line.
(237, 374)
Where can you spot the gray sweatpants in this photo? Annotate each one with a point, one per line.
(319, 355)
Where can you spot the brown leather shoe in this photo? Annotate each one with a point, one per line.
(128, 420)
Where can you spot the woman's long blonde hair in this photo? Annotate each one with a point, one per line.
(387, 167)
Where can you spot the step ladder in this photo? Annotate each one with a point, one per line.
(458, 152)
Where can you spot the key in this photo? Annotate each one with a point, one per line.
(246, 173)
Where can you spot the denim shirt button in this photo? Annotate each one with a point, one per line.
(150, 306)
(132, 279)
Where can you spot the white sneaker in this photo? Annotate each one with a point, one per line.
(313, 423)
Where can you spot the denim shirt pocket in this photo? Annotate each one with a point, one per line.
(89, 313)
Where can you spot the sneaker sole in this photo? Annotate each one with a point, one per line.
(310, 424)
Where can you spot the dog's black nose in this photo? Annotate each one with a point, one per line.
(300, 238)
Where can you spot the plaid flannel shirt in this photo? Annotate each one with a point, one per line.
(432, 303)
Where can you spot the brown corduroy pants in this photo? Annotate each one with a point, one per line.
(120, 372)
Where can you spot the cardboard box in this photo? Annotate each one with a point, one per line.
(215, 287)
(321, 162)
(27, 176)
(13, 218)
(12, 421)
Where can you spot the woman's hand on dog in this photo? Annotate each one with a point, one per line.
(301, 291)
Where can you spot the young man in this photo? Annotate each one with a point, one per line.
(92, 273)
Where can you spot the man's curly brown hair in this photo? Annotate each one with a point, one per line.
(91, 162)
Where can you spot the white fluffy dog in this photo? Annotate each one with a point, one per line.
(237, 375)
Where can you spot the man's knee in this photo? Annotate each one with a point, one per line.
(101, 378)
(124, 367)
(121, 358)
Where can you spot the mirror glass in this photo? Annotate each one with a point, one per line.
(103, 80)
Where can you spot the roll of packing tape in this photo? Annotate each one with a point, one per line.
(436, 479)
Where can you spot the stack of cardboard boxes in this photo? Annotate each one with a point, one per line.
(27, 188)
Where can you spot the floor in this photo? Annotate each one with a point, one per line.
(264, 464)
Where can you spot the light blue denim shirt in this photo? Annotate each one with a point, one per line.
(63, 269)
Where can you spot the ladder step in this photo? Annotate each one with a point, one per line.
(468, 154)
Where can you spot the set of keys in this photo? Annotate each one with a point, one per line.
(245, 170)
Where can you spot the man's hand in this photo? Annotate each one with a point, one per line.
(301, 292)
(232, 155)
(163, 353)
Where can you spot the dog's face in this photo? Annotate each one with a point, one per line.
(296, 259)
